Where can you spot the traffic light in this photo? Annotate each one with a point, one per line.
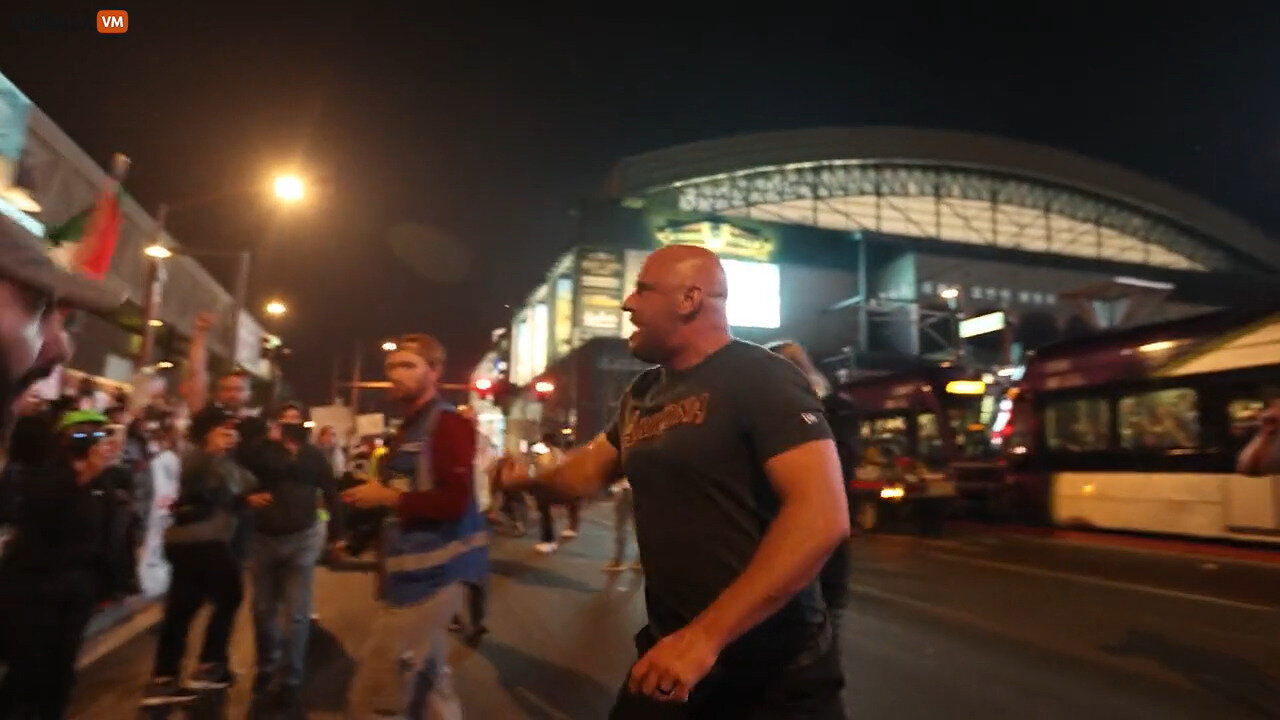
(543, 389)
(482, 387)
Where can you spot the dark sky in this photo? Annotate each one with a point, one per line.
(487, 128)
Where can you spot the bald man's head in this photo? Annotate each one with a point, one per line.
(679, 299)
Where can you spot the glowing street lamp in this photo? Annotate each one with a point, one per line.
(158, 251)
(389, 346)
(277, 308)
(290, 188)
(950, 293)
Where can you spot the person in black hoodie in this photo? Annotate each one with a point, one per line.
(59, 566)
(287, 542)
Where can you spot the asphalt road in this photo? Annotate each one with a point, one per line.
(973, 625)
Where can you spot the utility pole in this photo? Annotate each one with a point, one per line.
(355, 382)
(153, 285)
(333, 380)
(239, 298)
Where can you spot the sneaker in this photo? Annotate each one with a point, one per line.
(615, 566)
(166, 691)
(568, 533)
(211, 676)
(546, 548)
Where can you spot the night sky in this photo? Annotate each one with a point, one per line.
(452, 149)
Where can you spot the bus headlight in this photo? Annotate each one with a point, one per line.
(892, 493)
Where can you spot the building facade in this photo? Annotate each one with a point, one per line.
(872, 246)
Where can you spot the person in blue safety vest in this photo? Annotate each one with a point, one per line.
(433, 542)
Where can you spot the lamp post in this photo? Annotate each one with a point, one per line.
(287, 189)
(156, 254)
(276, 310)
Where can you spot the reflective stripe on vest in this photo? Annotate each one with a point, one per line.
(421, 561)
(418, 561)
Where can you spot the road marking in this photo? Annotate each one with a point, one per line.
(1090, 580)
(542, 704)
(976, 623)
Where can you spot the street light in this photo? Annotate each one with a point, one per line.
(290, 188)
(949, 293)
(389, 346)
(156, 323)
(277, 308)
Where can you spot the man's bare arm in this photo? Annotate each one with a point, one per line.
(195, 386)
(812, 521)
(586, 471)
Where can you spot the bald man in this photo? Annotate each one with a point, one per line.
(738, 503)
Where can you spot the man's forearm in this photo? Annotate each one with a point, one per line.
(196, 388)
(565, 481)
(791, 553)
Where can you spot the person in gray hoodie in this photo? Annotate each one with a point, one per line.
(213, 488)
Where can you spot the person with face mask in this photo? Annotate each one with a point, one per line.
(434, 544)
(288, 539)
(57, 567)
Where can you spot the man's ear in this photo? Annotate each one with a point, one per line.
(691, 301)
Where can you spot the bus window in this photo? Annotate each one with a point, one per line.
(1160, 420)
(1242, 419)
(1246, 404)
(884, 439)
(929, 446)
(971, 432)
(1077, 425)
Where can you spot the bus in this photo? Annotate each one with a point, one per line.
(913, 429)
(1139, 429)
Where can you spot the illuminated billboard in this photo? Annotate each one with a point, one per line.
(982, 324)
(541, 339)
(755, 294)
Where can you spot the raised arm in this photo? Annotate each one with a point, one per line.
(195, 386)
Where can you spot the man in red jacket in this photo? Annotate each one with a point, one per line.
(436, 544)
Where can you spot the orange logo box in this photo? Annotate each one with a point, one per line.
(113, 22)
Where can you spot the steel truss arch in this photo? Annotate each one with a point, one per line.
(954, 204)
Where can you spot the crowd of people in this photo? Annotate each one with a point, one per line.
(722, 457)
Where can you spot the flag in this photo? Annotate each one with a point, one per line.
(87, 240)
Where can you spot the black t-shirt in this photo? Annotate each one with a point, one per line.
(693, 444)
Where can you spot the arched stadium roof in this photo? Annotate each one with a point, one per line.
(951, 186)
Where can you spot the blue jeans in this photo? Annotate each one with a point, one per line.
(283, 569)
